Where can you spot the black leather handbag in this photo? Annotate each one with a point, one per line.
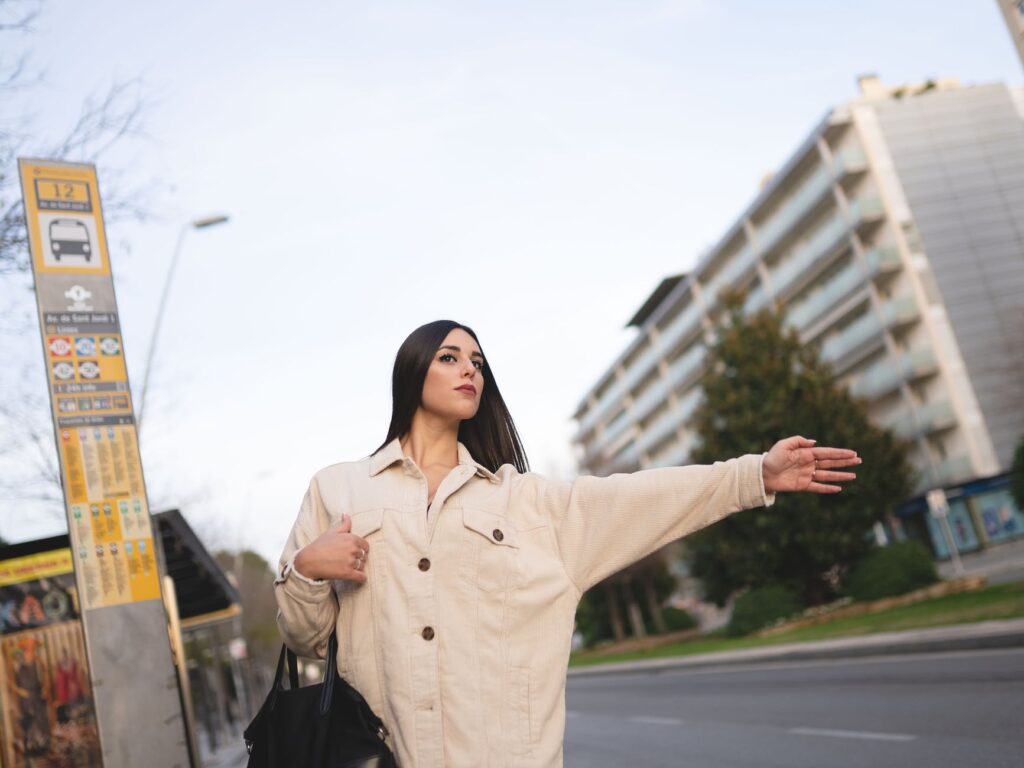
(328, 725)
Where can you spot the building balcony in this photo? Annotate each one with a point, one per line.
(658, 431)
(689, 402)
(824, 241)
(757, 299)
(790, 213)
(862, 330)
(685, 371)
(827, 297)
(667, 423)
(730, 273)
(900, 311)
(643, 366)
(615, 429)
(675, 457)
(865, 333)
(818, 304)
(866, 210)
(799, 263)
(626, 460)
(686, 324)
(849, 161)
(650, 399)
(605, 403)
(885, 376)
(881, 261)
(930, 418)
(956, 469)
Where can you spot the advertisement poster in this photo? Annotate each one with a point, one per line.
(48, 719)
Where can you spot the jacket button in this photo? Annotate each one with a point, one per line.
(497, 534)
(424, 564)
(428, 633)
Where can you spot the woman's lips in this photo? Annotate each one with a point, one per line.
(469, 389)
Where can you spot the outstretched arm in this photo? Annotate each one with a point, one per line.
(603, 524)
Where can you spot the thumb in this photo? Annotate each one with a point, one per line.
(345, 526)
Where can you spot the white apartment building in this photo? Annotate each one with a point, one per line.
(893, 238)
(1013, 13)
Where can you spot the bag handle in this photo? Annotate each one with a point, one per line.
(330, 673)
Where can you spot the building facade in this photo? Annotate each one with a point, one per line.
(1013, 13)
(893, 239)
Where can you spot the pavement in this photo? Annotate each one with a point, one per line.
(232, 754)
(999, 564)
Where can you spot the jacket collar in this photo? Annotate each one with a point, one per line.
(392, 453)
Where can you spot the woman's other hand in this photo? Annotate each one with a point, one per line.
(335, 554)
(795, 464)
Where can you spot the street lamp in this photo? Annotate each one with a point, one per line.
(201, 223)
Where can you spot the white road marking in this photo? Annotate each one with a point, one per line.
(853, 734)
(652, 720)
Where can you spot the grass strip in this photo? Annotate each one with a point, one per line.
(1003, 601)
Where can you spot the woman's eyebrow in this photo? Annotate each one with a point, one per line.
(474, 353)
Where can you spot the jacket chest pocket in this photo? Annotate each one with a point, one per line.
(489, 550)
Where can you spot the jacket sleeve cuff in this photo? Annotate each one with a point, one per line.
(765, 499)
(302, 587)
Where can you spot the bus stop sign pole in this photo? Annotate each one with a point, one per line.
(138, 708)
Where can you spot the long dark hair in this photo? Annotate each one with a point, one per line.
(490, 436)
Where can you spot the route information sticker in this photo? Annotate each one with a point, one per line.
(108, 518)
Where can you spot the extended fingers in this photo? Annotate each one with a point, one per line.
(837, 463)
(833, 477)
(833, 454)
(816, 487)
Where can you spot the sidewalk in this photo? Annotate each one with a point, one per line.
(999, 564)
(232, 754)
(958, 637)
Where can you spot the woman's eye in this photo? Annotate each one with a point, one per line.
(446, 357)
(479, 365)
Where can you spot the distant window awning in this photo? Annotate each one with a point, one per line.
(202, 588)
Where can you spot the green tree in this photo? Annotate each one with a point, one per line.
(254, 579)
(761, 385)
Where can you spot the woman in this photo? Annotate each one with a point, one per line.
(452, 574)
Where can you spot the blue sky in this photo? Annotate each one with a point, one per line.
(530, 169)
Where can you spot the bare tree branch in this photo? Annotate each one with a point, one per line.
(18, 15)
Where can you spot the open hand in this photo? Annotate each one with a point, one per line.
(335, 554)
(795, 464)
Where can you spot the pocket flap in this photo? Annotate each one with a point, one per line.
(495, 528)
(365, 523)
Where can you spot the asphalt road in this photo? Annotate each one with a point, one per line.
(935, 710)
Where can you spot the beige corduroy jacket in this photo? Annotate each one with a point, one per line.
(460, 637)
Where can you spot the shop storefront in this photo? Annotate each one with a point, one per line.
(982, 513)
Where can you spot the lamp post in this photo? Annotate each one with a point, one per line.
(201, 223)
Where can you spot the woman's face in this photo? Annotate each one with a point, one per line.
(454, 380)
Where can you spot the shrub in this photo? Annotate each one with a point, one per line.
(760, 607)
(677, 619)
(893, 570)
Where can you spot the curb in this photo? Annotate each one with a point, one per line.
(957, 637)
